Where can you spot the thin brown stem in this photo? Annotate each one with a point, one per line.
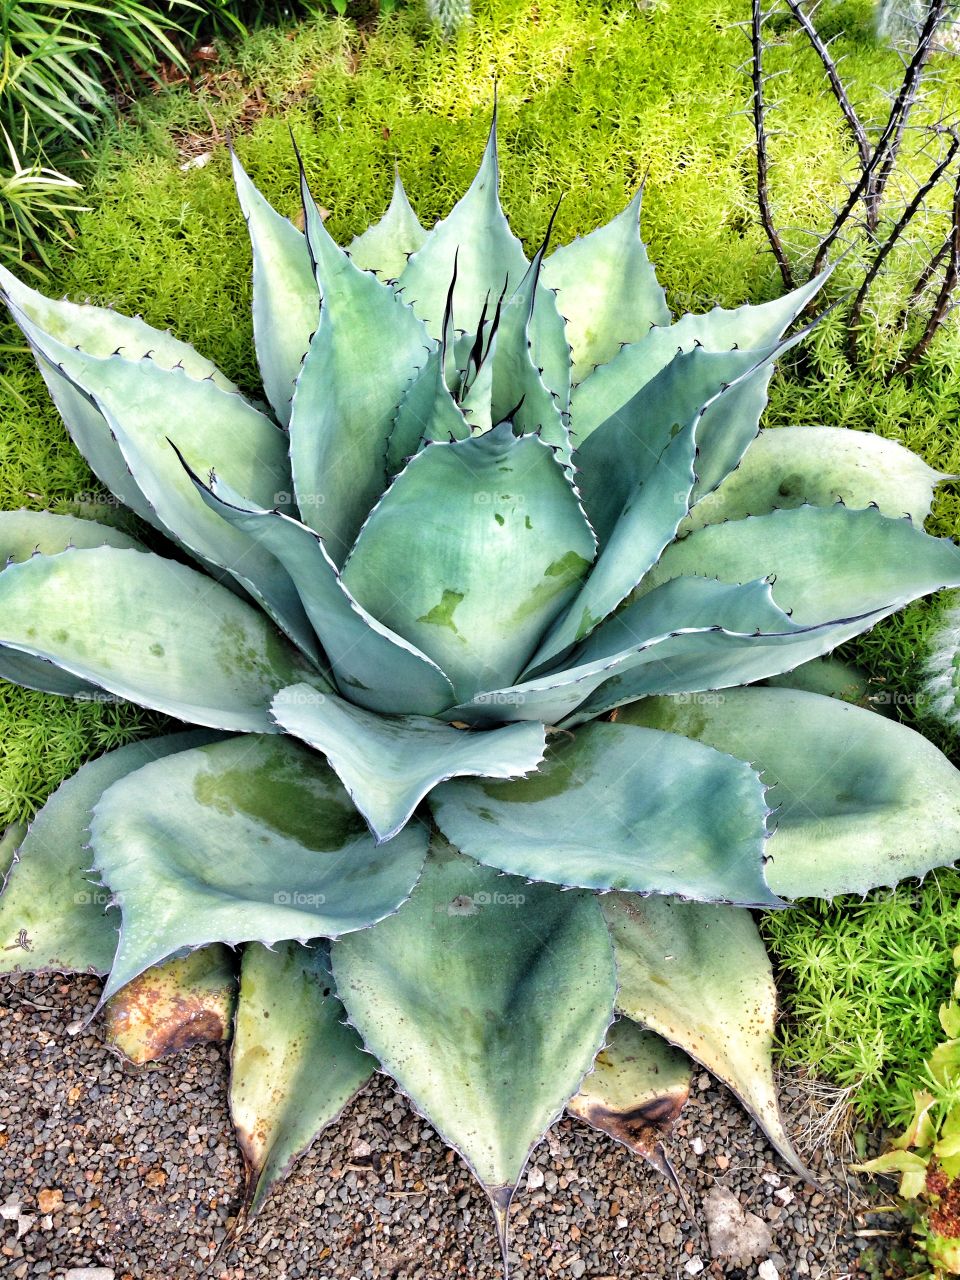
(947, 288)
(906, 217)
(923, 280)
(763, 164)
(894, 126)
(906, 98)
(857, 131)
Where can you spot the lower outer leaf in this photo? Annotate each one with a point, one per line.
(151, 630)
(636, 1091)
(699, 976)
(614, 807)
(487, 1000)
(250, 839)
(24, 534)
(295, 1063)
(860, 800)
(187, 1000)
(51, 915)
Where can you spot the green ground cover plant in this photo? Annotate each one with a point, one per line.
(594, 97)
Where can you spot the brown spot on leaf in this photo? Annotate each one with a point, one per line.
(171, 1007)
(641, 1128)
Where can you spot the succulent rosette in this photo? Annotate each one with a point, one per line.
(463, 616)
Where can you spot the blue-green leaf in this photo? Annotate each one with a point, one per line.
(250, 839)
(363, 356)
(690, 632)
(791, 466)
(860, 800)
(427, 412)
(487, 1000)
(212, 428)
(49, 897)
(472, 552)
(699, 976)
(389, 763)
(749, 328)
(829, 563)
(386, 246)
(150, 630)
(286, 300)
(607, 290)
(27, 533)
(377, 668)
(614, 807)
(477, 238)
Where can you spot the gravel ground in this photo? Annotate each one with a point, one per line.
(135, 1171)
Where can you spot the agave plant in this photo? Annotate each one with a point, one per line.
(461, 617)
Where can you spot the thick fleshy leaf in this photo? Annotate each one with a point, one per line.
(689, 630)
(389, 763)
(636, 1091)
(638, 476)
(49, 901)
(251, 839)
(476, 237)
(487, 1000)
(859, 800)
(517, 390)
(614, 807)
(150, 630)
(295, 1064)
(699, 976)
(835, 678)
(133, 404)
(377, 668)
(27, 533)
(211, 428)
(731, 421)
(286, 300)
(386, 246)
(427, 412)
(607, 290)
(828, 562)
(549, 347)
(790, 466)
(366, 350)
(184, 1001)
(472, 552)
(10, 841)
(751, 328)
(101, 331)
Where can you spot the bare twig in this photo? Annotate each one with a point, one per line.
(892, 134)
(856, 128)
(759, 125)
(942, 305)
(889, 144)
(856, 310)
(923, 280)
